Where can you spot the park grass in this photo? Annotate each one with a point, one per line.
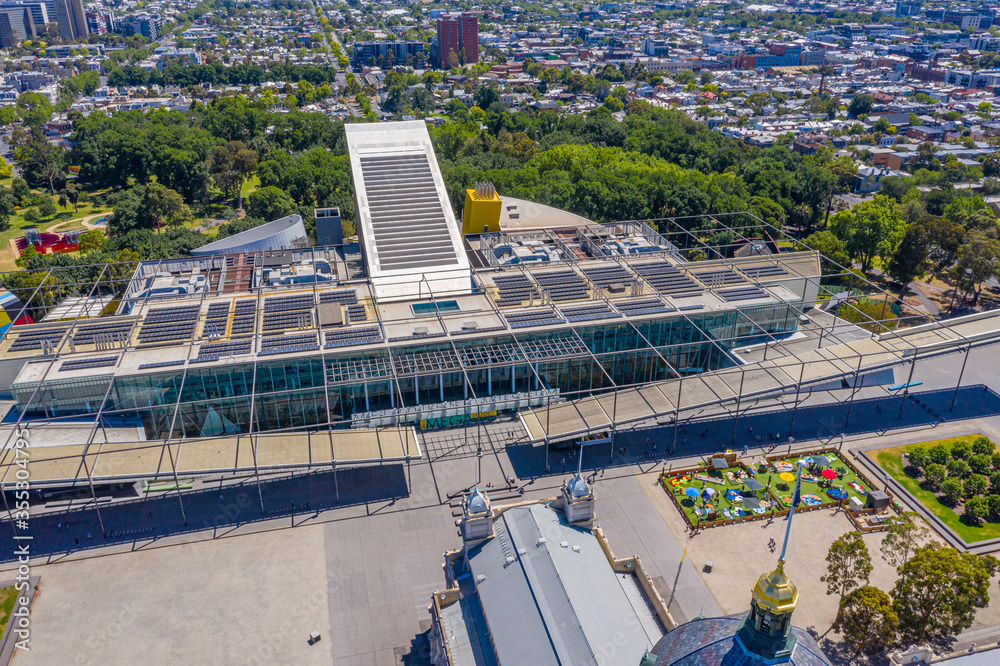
(251, 185)
(891, 460)
(8, 596)
(18, 225)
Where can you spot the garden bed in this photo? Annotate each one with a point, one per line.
(950, 508)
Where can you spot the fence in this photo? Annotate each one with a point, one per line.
(730, 458)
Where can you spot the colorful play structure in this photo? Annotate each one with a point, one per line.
(46, 243)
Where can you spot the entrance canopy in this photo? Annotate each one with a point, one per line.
(103, 462)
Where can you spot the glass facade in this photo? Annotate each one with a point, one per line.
(304, 393)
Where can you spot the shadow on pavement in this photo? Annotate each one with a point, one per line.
(762, 429)
(149, 518)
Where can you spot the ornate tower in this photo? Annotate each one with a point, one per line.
(766, 633)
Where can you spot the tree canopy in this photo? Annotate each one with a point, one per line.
(939, 590)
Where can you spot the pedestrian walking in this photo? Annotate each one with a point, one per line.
(563, 462)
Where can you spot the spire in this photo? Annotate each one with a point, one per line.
(766, 632)
(796, 497)
(578, 486)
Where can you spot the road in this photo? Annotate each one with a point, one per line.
(329, 51)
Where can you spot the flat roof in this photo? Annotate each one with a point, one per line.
(405, 219)
(210, 329)
(115, 459)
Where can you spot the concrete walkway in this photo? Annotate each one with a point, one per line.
(917, 289)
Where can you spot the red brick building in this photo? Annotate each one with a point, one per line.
(457, 40)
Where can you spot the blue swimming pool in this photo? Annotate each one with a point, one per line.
(423, 309)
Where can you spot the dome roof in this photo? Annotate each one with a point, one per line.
(709, 642)
(577, 486)
(775, 591)
(477, 502)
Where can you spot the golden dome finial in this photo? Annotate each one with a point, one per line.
(775, 591)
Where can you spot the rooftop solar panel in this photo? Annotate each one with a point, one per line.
(411, 230)
(757, 272)
(667, 278)
(525, 318)
(638, 308)
(605, 275)
(743, 294)
(589, 312)
(720, 277)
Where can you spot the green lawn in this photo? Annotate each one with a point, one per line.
(251, 185)
(892, 462)
(675, 484)
(8, 595)
(814, 484)
(776, 490)
(18, 225)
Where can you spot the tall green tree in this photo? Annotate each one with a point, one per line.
(830, 247)
(944, 237)
(848, 564)
(7, 204)
(269, 203)
(71, 191)
(902, 539)
(861, 105)
(909, 261)
(42, 162)
(939, 591)
(34, 108)
(230, 166)
(91, 240)
(953, 489)
(870, 229)
(161, 206)
(978, 261)
(867, 620)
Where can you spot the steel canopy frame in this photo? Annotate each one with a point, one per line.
(773, 345)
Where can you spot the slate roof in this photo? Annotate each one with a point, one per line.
(709, 642)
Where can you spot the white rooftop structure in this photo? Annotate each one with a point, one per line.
(282, 234)
(410, 238)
